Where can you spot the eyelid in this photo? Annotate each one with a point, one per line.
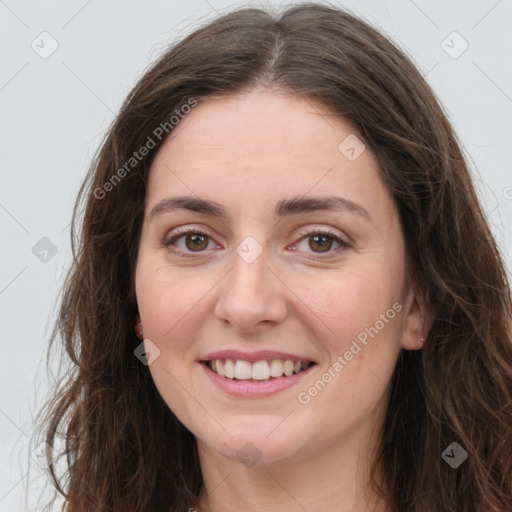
(180, 232)
(325, 231)
(343, 241)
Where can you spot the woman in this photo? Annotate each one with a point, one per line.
(286, 295)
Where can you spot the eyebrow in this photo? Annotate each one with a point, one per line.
(285, 207)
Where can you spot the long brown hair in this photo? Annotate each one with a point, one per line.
(124, 449)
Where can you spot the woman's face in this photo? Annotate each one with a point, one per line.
(270, 245)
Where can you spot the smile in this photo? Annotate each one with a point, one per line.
(262, 370)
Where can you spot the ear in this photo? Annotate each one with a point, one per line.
(416, 322)
(138, 327)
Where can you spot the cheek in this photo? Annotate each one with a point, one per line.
(357, 325)
(169, 304)
(348, 303)
(172, 307)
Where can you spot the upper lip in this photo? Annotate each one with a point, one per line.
(252, 357)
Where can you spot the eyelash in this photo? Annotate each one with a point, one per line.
(181, 232)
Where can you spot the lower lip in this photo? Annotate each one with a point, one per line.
(254, 388)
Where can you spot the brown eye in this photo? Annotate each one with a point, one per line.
(196, 242)
(188, 241)
(323, 242)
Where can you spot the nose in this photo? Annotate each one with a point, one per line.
(252, 296)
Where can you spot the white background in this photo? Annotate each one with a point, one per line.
(54, 112)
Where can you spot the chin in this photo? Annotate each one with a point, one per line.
(257, 441)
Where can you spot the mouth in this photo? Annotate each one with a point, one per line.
(257, 371)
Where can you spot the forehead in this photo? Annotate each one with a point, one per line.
(264, 123)
(255, 148)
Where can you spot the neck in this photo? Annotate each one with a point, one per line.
(333, 478)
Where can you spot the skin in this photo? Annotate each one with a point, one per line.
(247, 152)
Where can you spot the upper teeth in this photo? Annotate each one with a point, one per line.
(260, 370)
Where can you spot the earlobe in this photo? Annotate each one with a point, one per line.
(138, 327)
(416, 323)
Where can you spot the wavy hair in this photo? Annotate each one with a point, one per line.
(123, 448)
